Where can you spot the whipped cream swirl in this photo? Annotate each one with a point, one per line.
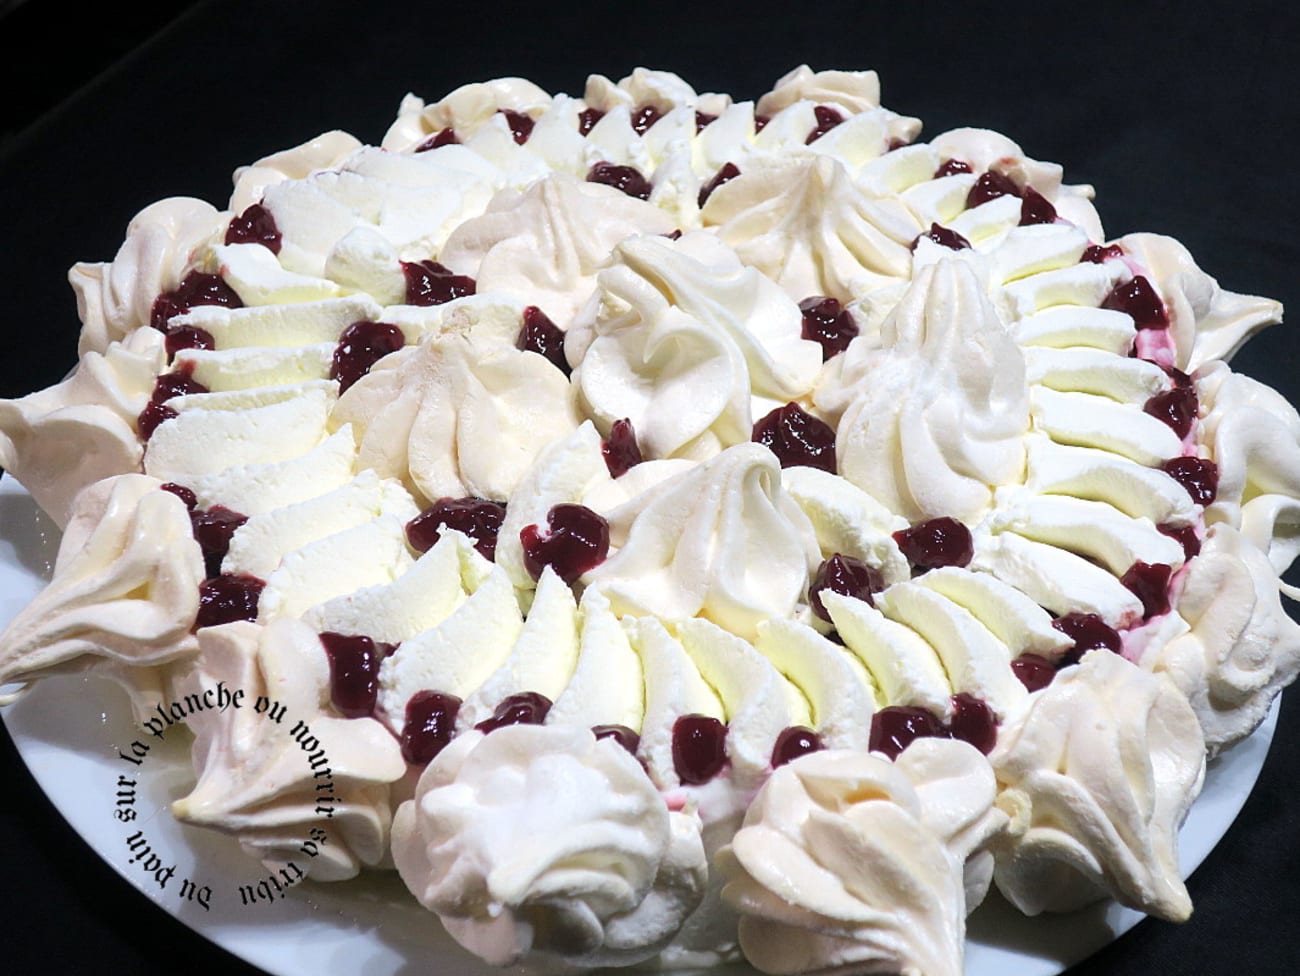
(546, 842)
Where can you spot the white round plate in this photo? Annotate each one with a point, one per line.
(71, 731)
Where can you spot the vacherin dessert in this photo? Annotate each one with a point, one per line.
(694, 529)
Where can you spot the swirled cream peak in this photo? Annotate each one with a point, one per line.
(944, 399)
(548, 241)
(537, 842)
(806, 226)
(463, 110)
(270, 783)
(1253, 436)
(125, 590)
(326, 150)
(458, 416)
(848, 862)
(115, 298)
(1241, 647)
(61, 439)
(1207, 323)
(681, 337)
(721, 540)
(1097, 773)
(854, 91)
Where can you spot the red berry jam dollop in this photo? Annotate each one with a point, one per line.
(843, 574)
(354, 672)
(828, 323)
(939, 542)
(794, 742)
(361, 345)
(797, 438)
(429, 725)
(524, 708)
(540, 335)
(255, 226)
(699, 748)
(478, 518)
(576, 540)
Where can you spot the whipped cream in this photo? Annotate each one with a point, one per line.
(1097, 773)
(990, 381)
(124, 596)
(848, 860)
(260, 780)
(544, 842)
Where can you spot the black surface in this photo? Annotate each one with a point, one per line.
(1184, 118)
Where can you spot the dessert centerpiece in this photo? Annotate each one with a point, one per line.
(692, 529)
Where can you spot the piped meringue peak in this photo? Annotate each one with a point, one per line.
(697, 528)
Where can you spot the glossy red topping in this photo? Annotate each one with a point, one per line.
(577, 540)
(703, 119)
(179, 382)
(429, 283)
(524, 708)
(1100, 253)
(828, 324)
(1089, 632)
(794, 742)
(478, 518)
(1033, 671)
(827, 119)
(760, 123)
(540, 335)
(939, 542)
(797, 438)
(187, 337)
(1139, 300)
(644, 117)
(588, 118)
(1200, 476)
(430, 724)
(195, 289)
(951, 167)
(255, 226)
(621, 451)
(444, 137)
(895, 728)
(944, 237)
(1185, 536)
(521, 126)
(213, 529)
(1176, 407)
(1036, 208)
(361, 345)
(151, 417)
(1149, 582)
(1181, 379)
(974, 722)
(621, 734)
(990, 186)
(726, 174)
(625, 178)
(228, 598)
(843, 574)
(354, 672)
(699, 748)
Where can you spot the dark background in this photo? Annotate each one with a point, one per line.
(1183, 116)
